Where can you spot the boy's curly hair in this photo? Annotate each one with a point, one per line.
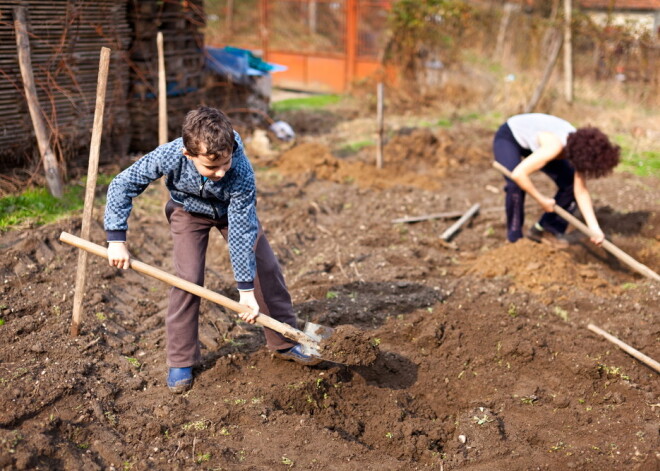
(591, 152)
(210, 128)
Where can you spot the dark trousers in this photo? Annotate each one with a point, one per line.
(509, 153)
(190, 235)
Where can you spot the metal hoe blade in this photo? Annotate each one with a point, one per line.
(316, 332)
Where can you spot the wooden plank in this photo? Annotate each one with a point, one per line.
(454, 228)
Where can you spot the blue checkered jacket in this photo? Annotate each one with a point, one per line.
(233, 195)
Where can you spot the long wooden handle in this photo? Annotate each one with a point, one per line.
(607, 245)
(626, 348)
(146, 269)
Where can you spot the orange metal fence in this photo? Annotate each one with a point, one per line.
(326, 44)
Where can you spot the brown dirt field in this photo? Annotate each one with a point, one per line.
(486, 362)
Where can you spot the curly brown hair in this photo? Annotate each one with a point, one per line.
(591, 152)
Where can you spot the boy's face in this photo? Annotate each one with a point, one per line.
(214, 169)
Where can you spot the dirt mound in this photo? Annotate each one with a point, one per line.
(350, 346)
(312, 160)
(538, 268)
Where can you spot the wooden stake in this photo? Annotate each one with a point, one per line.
(445, 215)
(568, 52)
(90, 189)
(626, 348)
(51, 169)
(554, 54)
(504, 26)
(162, 92)
(379, 124)
(454, 228)
(607, 245)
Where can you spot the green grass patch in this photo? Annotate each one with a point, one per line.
(38, 206)
(353, 147)
(308, 103)
(644, 163)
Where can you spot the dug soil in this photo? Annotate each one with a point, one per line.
(484, 358)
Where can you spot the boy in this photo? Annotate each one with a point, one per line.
(530, 142)
(211, 184)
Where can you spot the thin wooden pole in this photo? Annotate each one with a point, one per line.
(380, 126)
(454, 228)
(607, 245)
(568, 52)
(552, 60)
(504, 25)
(626, 348)
(51, 169)
(162, 91)
(229, 19)
(90, 189)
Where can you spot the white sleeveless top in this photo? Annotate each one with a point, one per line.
(526, 128)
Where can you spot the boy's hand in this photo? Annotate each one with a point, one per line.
(118, 255)
(247, 299)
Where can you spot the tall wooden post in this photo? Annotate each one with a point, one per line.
(379, 124)
(162, 91)
(51, 169)
(568, 51)
(90, 189)
(351, 39)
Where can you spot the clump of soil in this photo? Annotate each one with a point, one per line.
(350, 346)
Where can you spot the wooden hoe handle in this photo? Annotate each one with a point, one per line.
(607, 245)
(146, 269)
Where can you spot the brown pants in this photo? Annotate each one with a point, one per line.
(190, 235)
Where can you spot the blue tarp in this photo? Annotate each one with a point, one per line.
(238, 64)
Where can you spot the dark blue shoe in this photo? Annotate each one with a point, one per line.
(179, 379)
(296, 354)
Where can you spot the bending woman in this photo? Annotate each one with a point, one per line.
(530, 142)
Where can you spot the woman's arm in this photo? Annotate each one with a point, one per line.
(586, 206)
(550, 148)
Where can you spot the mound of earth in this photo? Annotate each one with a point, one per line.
(539, 268)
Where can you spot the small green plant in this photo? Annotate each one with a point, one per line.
(529, 400)
(389, 435)
(133, 361)
(512, 311)
(111, 417)
(203, 457)
(628, 285)
(2, 321)
(100, 316)
(197, 425)
(224, 431)
(287, 461)
(557, 447)
(481, 420)
(562, 313)
(375, 341)
(331, 295)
